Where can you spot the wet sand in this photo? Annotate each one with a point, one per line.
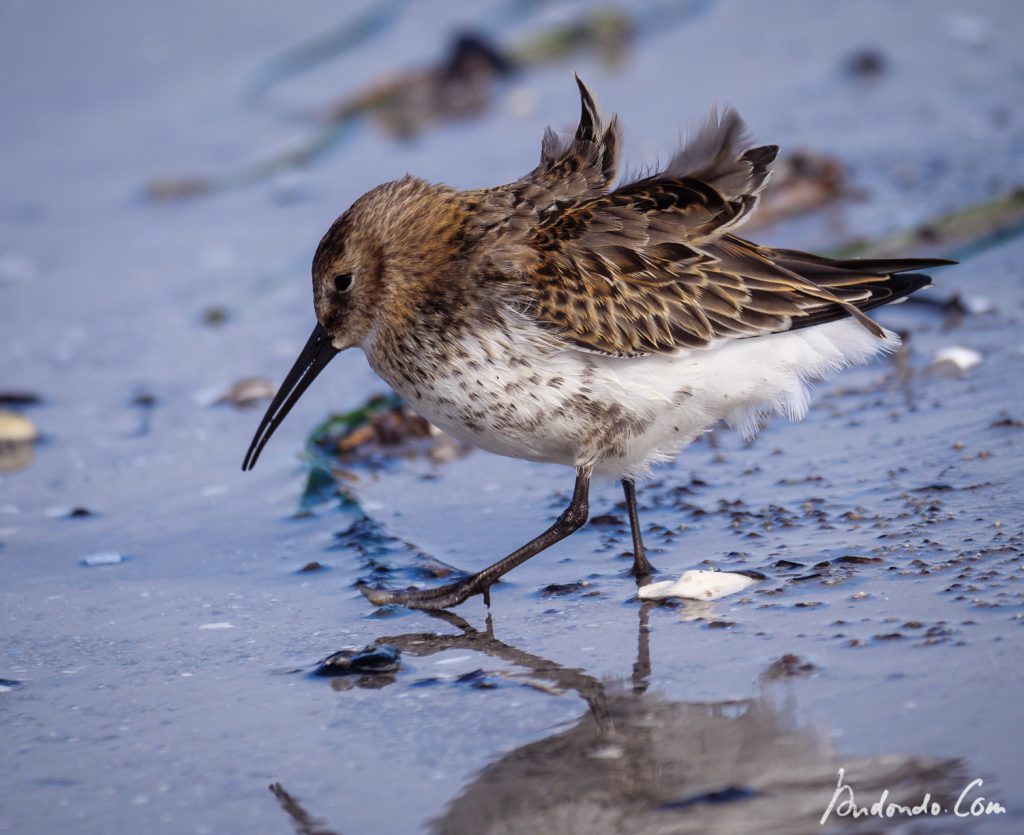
(170, 690)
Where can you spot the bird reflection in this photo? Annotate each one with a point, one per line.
(640, 763)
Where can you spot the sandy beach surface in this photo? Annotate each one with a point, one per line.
(156, 653)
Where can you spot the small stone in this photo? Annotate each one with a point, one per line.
(382, 659)
(104, 558)
(788, 666)
(866, 63)
(15, 428)
(19, 398)
(77, 512)
(247, 392)
(215, 315)
(559, 589)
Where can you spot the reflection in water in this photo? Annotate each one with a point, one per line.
(640, 763)
(304, 823)
(14, 457)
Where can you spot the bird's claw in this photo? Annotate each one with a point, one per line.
(442, 597)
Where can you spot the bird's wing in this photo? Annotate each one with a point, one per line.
(653, 267)
(572, 168)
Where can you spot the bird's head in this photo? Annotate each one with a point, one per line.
(366, 266)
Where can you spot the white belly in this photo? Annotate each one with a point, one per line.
(520, 395)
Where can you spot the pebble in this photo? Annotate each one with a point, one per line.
(15, 428)
(76, 512)
(382, 659)
(788, 666)
(247, 392)
(104, 558)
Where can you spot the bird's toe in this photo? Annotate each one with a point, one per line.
(442, 597)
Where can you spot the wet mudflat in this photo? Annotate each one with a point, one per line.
(165, 616)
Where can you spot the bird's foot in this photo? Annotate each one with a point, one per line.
(641, 568)
(442, 597)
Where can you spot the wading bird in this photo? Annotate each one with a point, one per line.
(560, 319)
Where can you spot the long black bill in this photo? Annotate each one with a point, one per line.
(314, 358)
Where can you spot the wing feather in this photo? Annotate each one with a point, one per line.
(654, 265)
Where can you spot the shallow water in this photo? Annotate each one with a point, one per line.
(170, 691)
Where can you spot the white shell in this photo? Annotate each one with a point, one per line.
(103, 558)
(698, 585)
(960, 358)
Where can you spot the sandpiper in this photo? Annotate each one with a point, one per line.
(559, 319)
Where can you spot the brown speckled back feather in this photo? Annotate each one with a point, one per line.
(653, 266)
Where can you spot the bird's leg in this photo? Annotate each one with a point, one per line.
(641, 567)
(443, 597)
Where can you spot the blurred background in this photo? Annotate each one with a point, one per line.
(167, 171)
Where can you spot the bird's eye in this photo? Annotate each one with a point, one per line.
(343, 282)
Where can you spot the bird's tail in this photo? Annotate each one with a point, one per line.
(861, 284)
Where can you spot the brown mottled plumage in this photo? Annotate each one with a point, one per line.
(652, 266)
(558, 319)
